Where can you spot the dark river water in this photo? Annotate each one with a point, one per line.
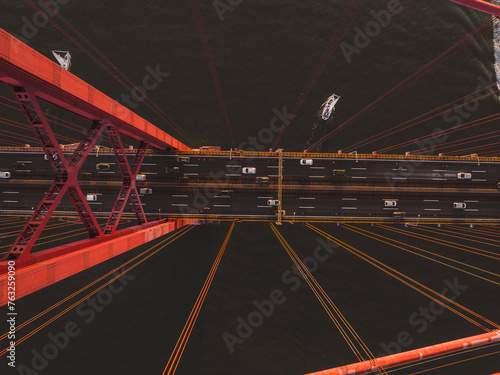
(265, 53)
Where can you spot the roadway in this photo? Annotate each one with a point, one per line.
(421, 189)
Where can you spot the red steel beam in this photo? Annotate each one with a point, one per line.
(413, 355)
(480, 5)
(53, 265)
(55, 85)
(65, 179)
(129, 174)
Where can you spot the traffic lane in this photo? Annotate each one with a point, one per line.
(363, 207)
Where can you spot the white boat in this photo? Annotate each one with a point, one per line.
(330, 106)
(63, 58)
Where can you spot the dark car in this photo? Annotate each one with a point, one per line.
(102, 167)
(226, 193)
(262, 180)
(339, 172)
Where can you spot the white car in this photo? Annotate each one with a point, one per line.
(390, 203)
(273, 202)
(140, 177)
(459, 205)
(306, 162)
(145, 191)
(4, 174)
(91, 197)
(248, 170)
(464, 176)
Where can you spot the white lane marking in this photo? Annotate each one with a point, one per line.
(306, 207)
(478, 171)
(400, 178)
(148, 173)
(358, 177)
(233, 166)
(397, 169)
(359, 169)
(94, 202)
(178, 204)
(24, 170)
(191, 165)
(439, 170)
(105, 172)
(24, 161)
(307, 198)
(263, 206)
(233, 174)
(10, 201)
(265, 197)
(317, 167)
(11, 192)
(148, 164)
(190, 174)
(349, 199)
(471, 209)
(431, 200)
(479, 179)
(316, 176)
(180, 196)
(390, 208)
(439, 179)
(273, 166)
(432, 209)
(272, 175)
(349, 208)
(222, 205)
(471, 201)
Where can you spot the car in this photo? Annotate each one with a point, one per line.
(53, 157)
(86, 175)
(183, 159)
(140, 177)
(102, 167)
(172, 169)
(145, 191)
(182, 179)
(20, 166)
(399, 214)
(273, 202)
(226, 193)
(498, 185)
(464, 176)
(91, 197)
(339, 172)
(248, 170)
(459, 205)
(262, 180)
(5, 175)
(390, 203)
(306, 162)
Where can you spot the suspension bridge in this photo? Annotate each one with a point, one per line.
(167, 186)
